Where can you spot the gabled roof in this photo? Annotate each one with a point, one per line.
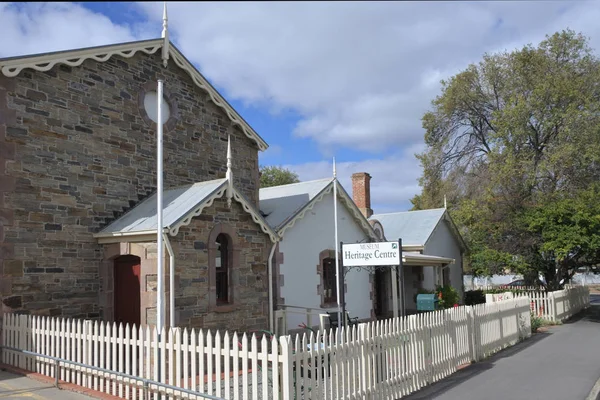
(180, 206)
(284, 205)
(415, 227)
(280, 203)
(12, 66)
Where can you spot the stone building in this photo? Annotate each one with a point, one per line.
(77, 182)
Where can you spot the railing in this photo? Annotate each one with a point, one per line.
(148, 386)
(554, 306)
(384, 359)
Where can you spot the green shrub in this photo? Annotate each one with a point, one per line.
(449, 296)
(473, 297)
(536, 323)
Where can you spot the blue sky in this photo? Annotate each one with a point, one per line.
(316, 79)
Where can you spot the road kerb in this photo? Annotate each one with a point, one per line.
(595, 392)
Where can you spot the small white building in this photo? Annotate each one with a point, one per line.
(304, 264)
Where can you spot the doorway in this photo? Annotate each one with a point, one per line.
(127, 301)
(381, 293)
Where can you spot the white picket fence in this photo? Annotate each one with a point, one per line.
(384, 360)
(554, 306)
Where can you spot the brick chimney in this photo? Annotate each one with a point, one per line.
(361, 192)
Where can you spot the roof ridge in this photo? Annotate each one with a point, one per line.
(296, 183)
(409, 211)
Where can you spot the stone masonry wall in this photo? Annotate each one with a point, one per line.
(84, 152)
(249, 280)
(7, 185)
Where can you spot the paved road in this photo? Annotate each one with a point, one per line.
(20, 387)
(562, 364)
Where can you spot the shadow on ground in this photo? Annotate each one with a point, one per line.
(470, 372)
(592, 314)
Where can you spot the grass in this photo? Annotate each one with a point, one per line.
(539, 322)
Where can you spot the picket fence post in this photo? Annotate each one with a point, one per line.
(552, 299)
(471, 335)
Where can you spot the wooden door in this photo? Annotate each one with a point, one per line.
(127, 290)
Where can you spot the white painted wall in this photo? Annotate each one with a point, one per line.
(444, 244)
(301, 246)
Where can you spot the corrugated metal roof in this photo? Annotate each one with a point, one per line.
(177, 203)
(413, 227)
(280, 203)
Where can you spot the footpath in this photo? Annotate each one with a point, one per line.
(14, 386)
(560, 363)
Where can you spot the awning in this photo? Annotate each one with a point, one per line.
(417, 259)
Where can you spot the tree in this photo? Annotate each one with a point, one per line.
(275, 176)
(510, 141)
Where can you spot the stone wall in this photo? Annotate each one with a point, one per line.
(249, 281)
(84, 153)
(8, 268)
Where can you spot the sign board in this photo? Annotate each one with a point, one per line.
(371, 254)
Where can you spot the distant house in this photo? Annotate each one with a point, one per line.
(426, 232)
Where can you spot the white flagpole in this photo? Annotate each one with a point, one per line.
(337, 250)
(160, 315)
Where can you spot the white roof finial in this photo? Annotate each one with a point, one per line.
(334, 170)
(229, 174)
(165, 36)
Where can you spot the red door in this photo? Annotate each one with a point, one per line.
(127, 290)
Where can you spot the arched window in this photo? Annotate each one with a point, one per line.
(222, 267)
(223, 261)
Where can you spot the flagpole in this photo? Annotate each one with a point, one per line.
(337, 249)
(159, 211)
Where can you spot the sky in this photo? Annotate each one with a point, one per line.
(317, 79)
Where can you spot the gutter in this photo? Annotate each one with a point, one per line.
(125, 234)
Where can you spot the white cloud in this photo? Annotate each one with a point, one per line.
(30, 28)
(360, 74)
(393, 179)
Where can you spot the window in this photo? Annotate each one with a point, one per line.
(222, 265)
(329, 281)
(151, 107)
(446, 276)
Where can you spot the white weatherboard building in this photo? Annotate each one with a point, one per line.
(302, 214)
(304, 278)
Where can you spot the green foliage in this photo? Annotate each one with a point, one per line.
(536, 323)
(448, 296)
(473, 297)
(276, 176)
(513, 142)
